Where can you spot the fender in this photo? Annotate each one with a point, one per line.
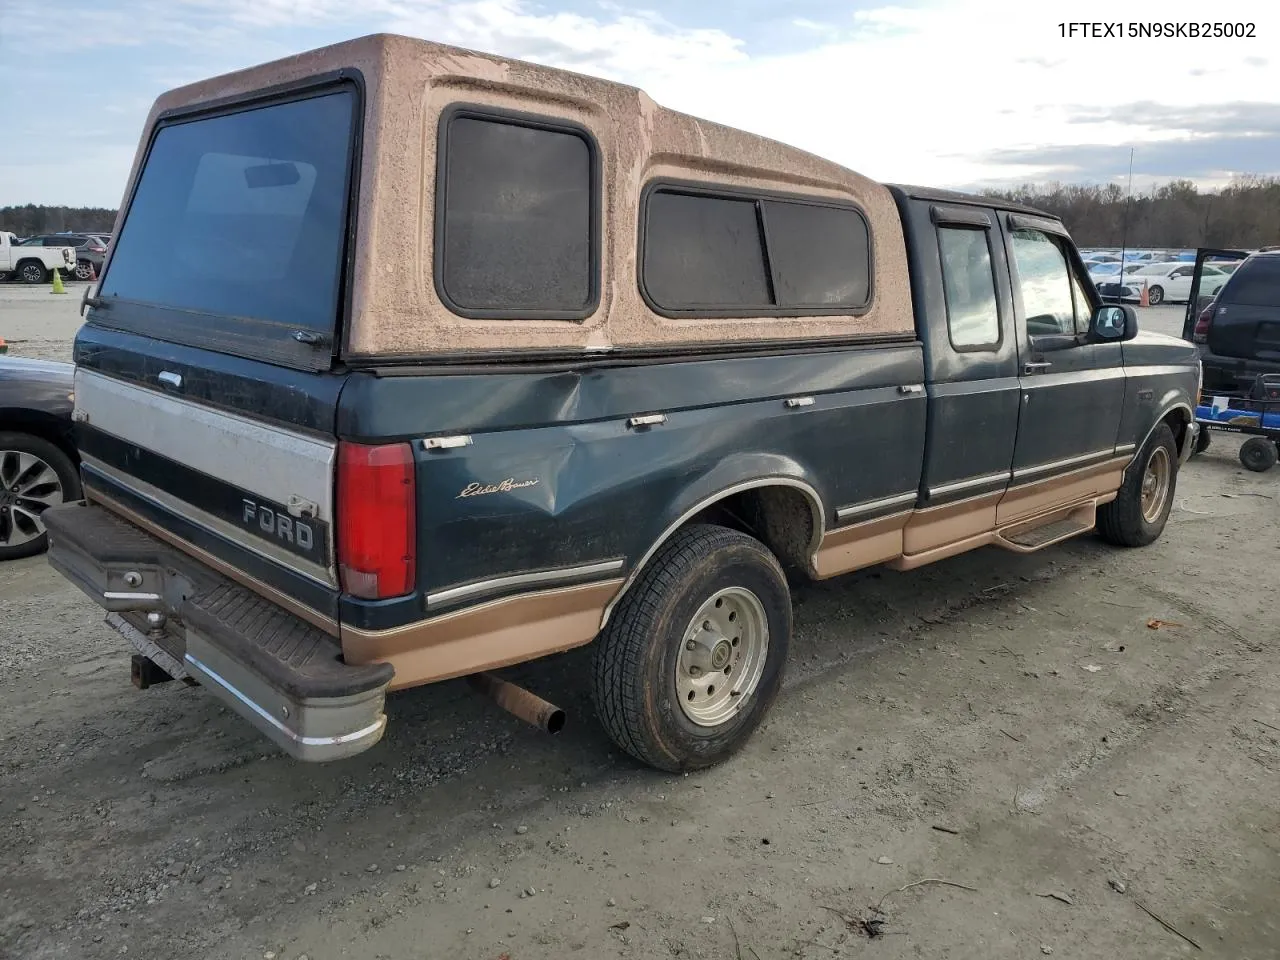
(1174, 399)
(744, 472)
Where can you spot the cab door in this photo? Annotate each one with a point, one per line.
(1072, 391)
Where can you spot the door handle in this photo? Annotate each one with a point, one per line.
(1036, 367)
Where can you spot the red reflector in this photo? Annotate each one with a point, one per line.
(1201, 332)
(377, 520)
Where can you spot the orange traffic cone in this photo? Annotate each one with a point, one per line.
(93, 273)
(1145, 300)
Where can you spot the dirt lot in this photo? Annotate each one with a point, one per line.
(1006, 723)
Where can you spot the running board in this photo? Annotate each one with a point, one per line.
(1044, 531)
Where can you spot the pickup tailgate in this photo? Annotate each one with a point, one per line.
(205, 389)
(214, 478)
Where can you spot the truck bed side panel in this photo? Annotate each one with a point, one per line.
(584, 489)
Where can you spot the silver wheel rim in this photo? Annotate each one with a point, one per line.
(32, 274)
(1155, 484)
(722, 656)
(27, 486)
(82, 271)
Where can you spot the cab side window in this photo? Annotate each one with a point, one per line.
(1053, 300)
(1084, 306)
(968, 284)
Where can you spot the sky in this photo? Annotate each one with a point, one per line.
(955, 93)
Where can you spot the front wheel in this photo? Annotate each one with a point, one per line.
(32, 272)
(1258, 454)
(1136, 517)
(1155, 296)
(694, 653)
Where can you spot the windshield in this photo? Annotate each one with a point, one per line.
(241, 216)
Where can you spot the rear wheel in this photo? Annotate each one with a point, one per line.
(34, 475)
(1138, 515)
(84, 269)
(1258, 454)
(32, 271)
(694, 653)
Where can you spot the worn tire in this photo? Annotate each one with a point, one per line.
(1258, 454)
(1121, 522)
(636, 656)
(68, 476)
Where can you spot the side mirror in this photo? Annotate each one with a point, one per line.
(1112, 324)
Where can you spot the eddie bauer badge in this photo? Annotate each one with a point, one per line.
(505, 486)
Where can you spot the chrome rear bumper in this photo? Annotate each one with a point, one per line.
(283, 675)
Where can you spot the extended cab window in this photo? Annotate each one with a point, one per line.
(515, 234)
(711, 255)
(1049, 289)
(969, 287)
(242, 215)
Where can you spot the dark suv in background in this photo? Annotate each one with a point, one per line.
(91, 250)
(1239, 331)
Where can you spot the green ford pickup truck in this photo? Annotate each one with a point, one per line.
(480, 361)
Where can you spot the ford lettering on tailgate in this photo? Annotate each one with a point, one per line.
(304, 536)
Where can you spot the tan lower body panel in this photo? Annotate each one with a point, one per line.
(1031, 499)
(485, 637)
(937, 533)
(935, 527)
(859, 545)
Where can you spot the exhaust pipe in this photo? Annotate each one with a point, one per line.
(529, 707)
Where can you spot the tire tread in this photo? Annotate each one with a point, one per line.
(1120, 522)
(618, 669)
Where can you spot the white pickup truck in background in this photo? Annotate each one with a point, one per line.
(32, 264)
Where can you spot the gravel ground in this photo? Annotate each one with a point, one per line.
(1011, 724)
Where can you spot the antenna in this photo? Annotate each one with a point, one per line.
(1124, 229)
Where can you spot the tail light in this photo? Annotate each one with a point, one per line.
(377, 520)
(1201, 332)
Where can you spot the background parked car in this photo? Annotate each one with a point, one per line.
(90, 250)
(1238, 333)
(33, 263)
(1171, 281)
(39, 466)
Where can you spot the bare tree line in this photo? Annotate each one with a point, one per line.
(1176, 214)
(32, 219)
